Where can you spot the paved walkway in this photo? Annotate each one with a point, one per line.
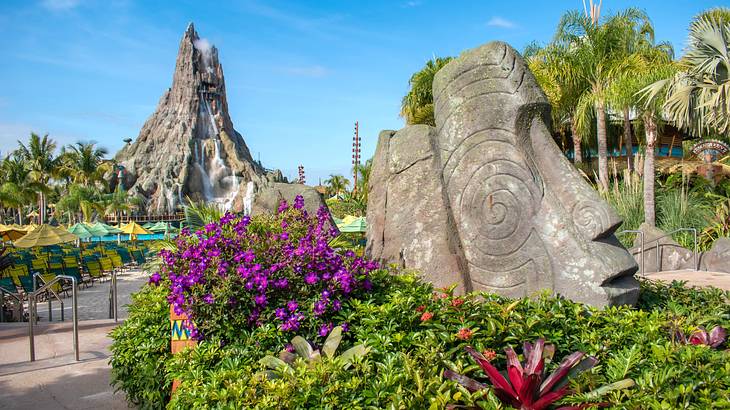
(55, 380)
(694, 278)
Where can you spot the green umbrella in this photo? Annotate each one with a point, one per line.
(148, 225)
(353, 224)
(80, 230)
(96, 230)
(157, 227)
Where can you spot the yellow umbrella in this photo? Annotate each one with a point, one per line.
(11, 233)
(133, 228)
(45, 235)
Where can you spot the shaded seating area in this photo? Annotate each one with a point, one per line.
(44, 253)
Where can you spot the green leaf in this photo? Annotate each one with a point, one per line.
(332, 342)
(302, 347)
(354, 352)
(619, 385)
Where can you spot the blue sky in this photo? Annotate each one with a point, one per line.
(298, 74)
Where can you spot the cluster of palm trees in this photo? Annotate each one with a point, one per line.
(35, 177)
(598, 70)
(338, 186)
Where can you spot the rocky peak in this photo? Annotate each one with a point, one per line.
(189, 147)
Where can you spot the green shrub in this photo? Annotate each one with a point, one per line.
(415, 334)
(140, 348)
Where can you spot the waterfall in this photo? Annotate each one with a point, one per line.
(248, 199)
(220, 184)
(211, 119)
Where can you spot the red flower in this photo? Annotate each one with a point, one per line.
(426, 316)
(457, 302)
(489, 354)
(439, 295)
(465, 333)
(421, 308)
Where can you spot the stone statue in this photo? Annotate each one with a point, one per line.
(486, 199)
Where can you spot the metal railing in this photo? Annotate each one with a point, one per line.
(15, 296)
(50, 292)
(113, 296)
(658, 247)
(32, 308)
(641, 249)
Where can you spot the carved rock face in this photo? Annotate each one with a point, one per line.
(518, 217)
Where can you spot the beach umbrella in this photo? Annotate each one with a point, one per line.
(81, 231)
(133, 228)
(45, 235)
(148, 225)
(11, 233)
(353, 224)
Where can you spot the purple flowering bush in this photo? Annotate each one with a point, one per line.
(242, 272)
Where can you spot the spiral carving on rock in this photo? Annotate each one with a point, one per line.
(590, 218)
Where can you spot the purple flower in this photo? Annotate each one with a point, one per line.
(292, 305)
(281, 283)
(345, 327)
(336, 305)
(298, 202)
(325, 329)
(281, 314)
(320, 307)
(260, 300)
(208, 298)
(155, 279)
(310, 278)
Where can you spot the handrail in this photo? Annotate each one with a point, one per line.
(641, 258)
(31, 308)
(15, 296)
(37, 275)
(113, 297)
(658, 254)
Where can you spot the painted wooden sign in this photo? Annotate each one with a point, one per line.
(710, 150)
(179, 336)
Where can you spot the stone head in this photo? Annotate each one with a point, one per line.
(525, 219)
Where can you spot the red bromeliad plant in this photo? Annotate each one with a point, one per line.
(526, 387)
(713, 338)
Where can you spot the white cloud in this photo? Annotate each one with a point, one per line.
(412, 3)
(501, 23)
(316, 71)
(58, 5)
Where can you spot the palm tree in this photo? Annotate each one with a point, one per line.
(336, 184)
(118, 201)
(16, 186)
(637, 44)
(595, 57)
(80, 200)
(417, 105)
(651, 114)
(85, 162)
(363, 180)
(698, 95)
(548, 64)
(42, 163)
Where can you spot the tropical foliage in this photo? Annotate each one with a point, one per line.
(416, 336)
(697, 96)
(417, 104)
(70, 181)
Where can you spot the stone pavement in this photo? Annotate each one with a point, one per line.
(694, 278)
(55, 380)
